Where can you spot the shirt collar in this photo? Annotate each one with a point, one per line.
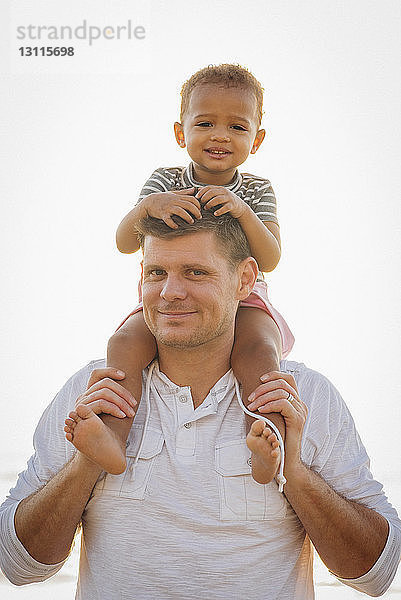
(188, 177)
(217, 393)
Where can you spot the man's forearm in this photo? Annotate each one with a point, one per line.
(46, 522)
(348, 537)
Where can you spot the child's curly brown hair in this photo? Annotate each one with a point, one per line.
(226, 75)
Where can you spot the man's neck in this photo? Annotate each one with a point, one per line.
(200, 367)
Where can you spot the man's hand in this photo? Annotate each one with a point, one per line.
(278, 393)
(216, 195)
(163, 205)
(348, 536)
(105, 395)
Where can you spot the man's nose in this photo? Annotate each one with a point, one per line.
(173, 289)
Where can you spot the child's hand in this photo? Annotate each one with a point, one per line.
(215, 195)
(182, 203)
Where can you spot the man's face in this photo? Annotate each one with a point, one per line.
(190, 291)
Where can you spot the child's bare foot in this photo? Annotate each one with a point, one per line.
(87, 432)
(263, 443)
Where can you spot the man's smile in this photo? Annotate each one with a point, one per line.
(174, 314)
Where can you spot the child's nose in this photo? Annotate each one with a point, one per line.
(220, 136)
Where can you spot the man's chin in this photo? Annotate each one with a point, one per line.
(179, 341)
(184, 338)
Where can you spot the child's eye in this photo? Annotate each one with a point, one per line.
(239, 127)
(204, 124)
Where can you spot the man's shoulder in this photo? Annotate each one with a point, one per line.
(314, 388)
(77, 383)
(299, 369)
(97, 363)
(85, 371)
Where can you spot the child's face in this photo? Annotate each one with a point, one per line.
(219, 129)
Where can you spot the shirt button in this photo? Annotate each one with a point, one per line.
(183, 399)
(249, 461)
(187, 425)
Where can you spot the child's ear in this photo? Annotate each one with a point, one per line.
(259, 137)
(179, 134)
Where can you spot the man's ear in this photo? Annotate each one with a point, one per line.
(179, 134)
(248, 272)
(259, 137)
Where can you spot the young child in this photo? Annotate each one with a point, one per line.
(221, 112)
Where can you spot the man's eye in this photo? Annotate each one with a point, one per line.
(156, 272)
(197, 272)
(204, 124)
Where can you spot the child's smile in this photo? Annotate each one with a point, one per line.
(218, 153)
(220, 129)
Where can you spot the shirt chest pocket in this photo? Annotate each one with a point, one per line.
(241, 498)
(135, 479)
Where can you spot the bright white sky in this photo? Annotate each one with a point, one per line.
(80, 137)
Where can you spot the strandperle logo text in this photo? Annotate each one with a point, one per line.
(84, 31)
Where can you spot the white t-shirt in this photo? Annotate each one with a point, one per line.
(189, 521)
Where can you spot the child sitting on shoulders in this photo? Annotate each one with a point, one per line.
(221, 112)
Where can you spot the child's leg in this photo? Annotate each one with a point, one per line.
(256, 351)
(130, 349)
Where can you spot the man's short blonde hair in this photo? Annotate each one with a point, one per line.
(229, 233)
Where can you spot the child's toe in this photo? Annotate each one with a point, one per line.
(257, 428)
(267, 432)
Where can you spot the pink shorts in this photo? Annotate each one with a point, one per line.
(257, 299)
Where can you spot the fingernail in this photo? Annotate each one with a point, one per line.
(251, 397)
(121, 373)
(121, 413)
(251, 406)
(264, 377)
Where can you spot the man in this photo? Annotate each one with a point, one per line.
(186, 518)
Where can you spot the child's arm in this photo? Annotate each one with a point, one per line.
(161, 205)
(263, 237)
